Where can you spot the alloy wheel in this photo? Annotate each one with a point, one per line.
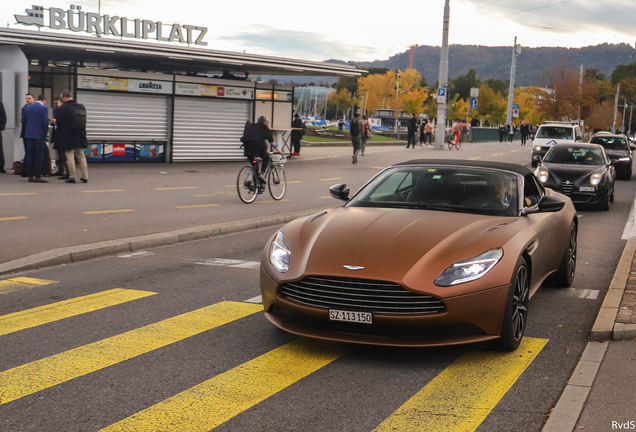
(572, 254)
(519, 303)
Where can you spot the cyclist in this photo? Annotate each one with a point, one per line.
(254, 137)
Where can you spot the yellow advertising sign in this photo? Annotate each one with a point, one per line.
(120, 84)
(209, 90)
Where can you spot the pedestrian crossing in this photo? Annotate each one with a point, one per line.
(22, 283)
(458, 399)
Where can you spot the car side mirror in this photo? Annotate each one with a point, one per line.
(340, 192)
(613, 162)
(550, 204)
(537, 158)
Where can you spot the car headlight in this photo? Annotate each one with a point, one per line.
(279, 254)
(543, 176)
(538, 148)
(625, 159)
(595, 179)
(471, 269)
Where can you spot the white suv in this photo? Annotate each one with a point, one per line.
(551, 133)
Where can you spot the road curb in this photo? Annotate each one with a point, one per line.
(605, 326)
(570, 405)
(85, 252)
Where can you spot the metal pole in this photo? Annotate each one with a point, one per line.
(443, 81)
(511, 91)
(631, 112)
(624, 108)
(580, 93)
(397, 100)
(618, 89)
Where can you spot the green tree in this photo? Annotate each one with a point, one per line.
(498, 86)
(464, 83)
(623, 71)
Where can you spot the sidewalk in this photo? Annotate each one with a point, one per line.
(599, 395)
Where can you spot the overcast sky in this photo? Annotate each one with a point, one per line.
(362, 31)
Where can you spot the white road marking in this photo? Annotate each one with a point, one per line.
(630, 225)
(581, 293)
(222, 262)
(257, 300)
(136, 255)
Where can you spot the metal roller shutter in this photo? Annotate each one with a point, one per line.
(125, 116)
(207, 129)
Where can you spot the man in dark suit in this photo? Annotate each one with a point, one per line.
(70, 136)
(35, 120)
(3, 124)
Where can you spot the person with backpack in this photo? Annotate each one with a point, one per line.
(70, 135)
(254, 139)
(356, 129)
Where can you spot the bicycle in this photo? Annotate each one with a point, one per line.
(249, 185)
(454, 140)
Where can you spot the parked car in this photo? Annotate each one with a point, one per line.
(427, 253)
(583, 172)
(617, 147)
(552, 133)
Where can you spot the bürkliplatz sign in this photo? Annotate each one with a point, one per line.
(76, 20)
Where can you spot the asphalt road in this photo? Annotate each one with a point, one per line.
(236, 371)
(125, 200)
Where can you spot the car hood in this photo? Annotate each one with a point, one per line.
(401, 245)
(573, 173)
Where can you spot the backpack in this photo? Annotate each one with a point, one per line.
(354, 128)
(251, 139)
(78, 117)
(304, 129)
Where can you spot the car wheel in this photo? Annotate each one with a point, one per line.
(565, 274)
(605, 204)
(516, 314)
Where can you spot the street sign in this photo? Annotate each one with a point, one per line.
(474, 92)
(441, 96)
(473, 103)
(516, 106)
(515, 112)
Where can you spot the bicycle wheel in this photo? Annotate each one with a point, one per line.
(458, 145)
(246, 185)
(450, 144)
(277, 182)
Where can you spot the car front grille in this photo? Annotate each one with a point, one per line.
(360, 295)
(567, 188)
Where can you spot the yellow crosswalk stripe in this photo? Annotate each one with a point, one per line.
(42, 374)
(215, 401)
(462, 396)
(65, 309)
(22, 283)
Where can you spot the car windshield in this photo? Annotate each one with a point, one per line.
(610, 143)
(442, 188)
(575, 156)
(555, 132)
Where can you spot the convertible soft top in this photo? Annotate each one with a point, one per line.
(519, 169)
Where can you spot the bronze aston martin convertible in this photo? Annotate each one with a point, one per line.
(427, 253)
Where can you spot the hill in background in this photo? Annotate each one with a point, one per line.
(494, 62)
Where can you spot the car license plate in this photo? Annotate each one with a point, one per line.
(359, 317)
(587, 188)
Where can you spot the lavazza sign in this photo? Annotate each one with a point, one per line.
(76, 20)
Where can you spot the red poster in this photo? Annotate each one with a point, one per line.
(119, 149)
(220, 91)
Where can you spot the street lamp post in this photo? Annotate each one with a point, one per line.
(443, 81)
(513, 71)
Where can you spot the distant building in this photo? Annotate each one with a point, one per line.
(387, 118)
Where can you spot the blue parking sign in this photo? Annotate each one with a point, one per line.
(515, 106)
(473, 103)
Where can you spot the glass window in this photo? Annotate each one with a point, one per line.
(442, 188)
(610, 143)
(575, 156)
(555, 132)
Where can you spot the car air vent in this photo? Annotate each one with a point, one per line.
(315, 218)
(568, 186)
(494, 227)
(360, 295)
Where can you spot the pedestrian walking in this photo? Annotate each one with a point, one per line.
(511, 132)
(423, 132)
(3, 124)
(297, 134)
(412, 129)
(428, 133)
(29, 101)
(502, 132)
(525, 131)
(341, 124)
(356, 129)
(70, 135)
(35, 121)
(365, 135)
